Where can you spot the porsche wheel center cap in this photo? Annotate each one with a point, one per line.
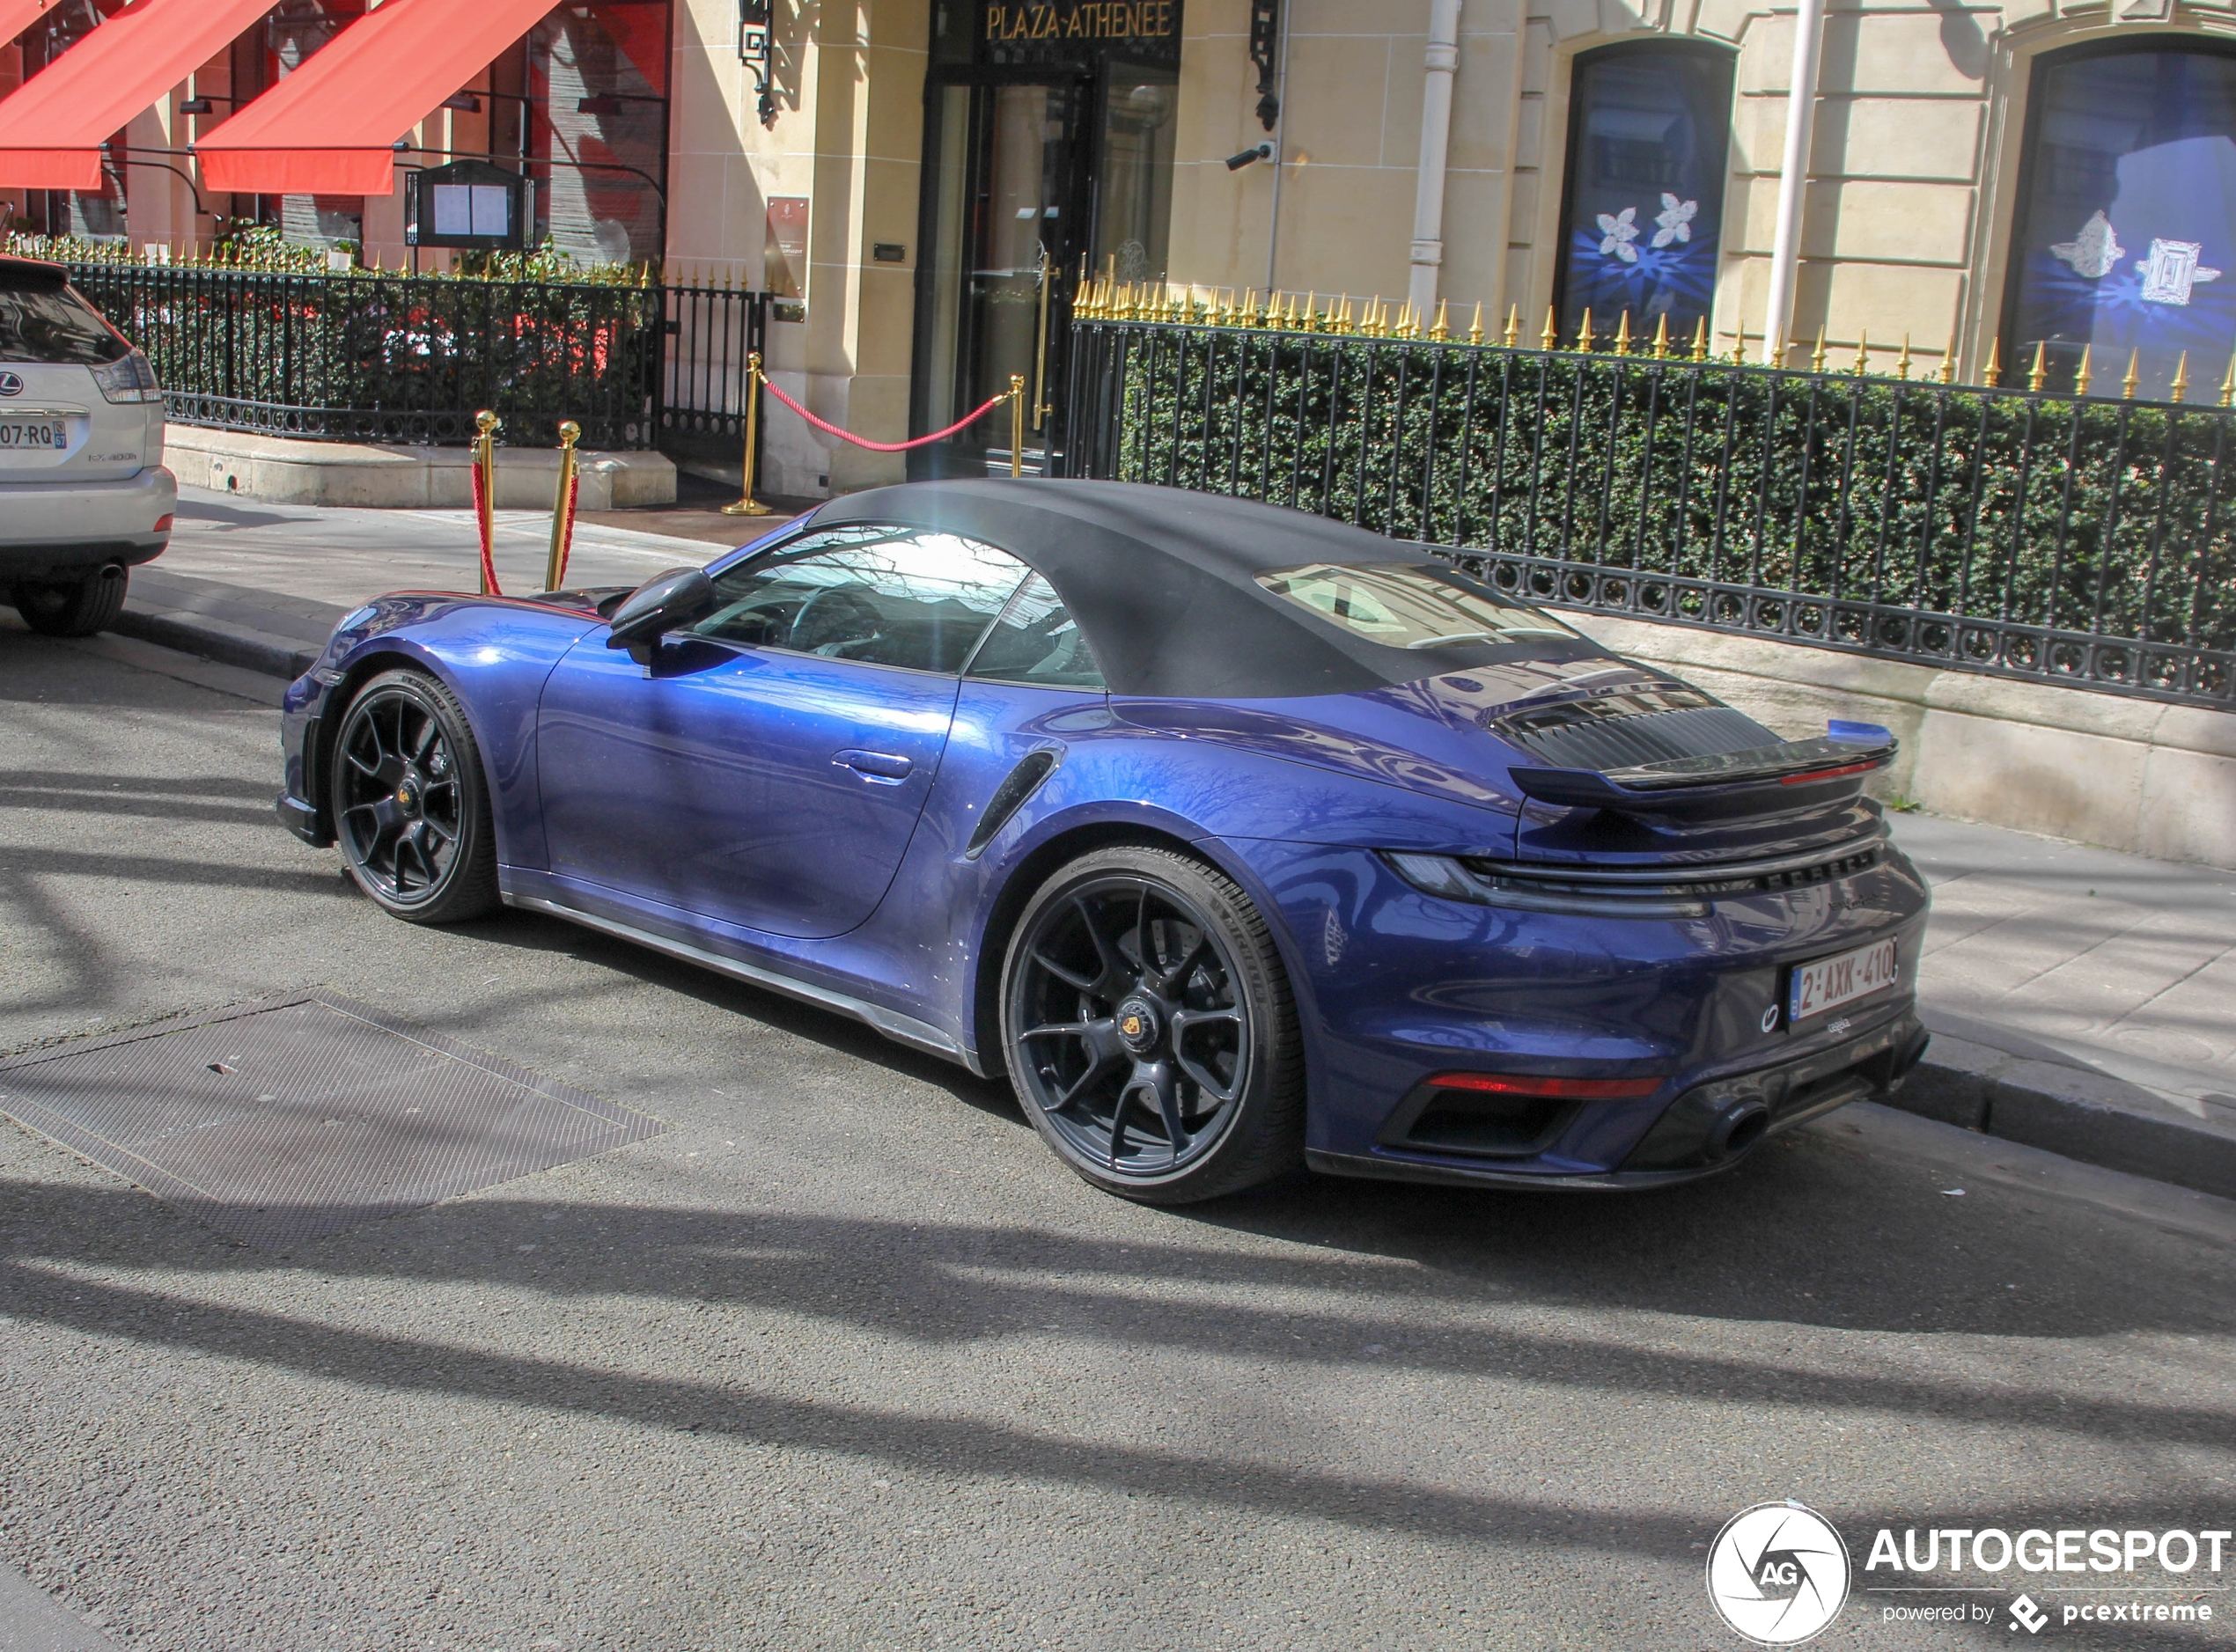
(407, 794)
(1138, 1025)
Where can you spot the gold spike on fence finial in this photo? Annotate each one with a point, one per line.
(1862, 352)
(1475, 327)
(1903, 362)
(1513, 326)
(1583, 330)
(2134, 376)
(1947, 372)
(1817, 356)
(2038, 375)
(1661, 338)
(1443, 329)
(2228, 386)
(2081, 374)
(1700, 339)
(1623, 335)
(1550, 339)
(2179, 389)
(1739, 346)
(1995, 364)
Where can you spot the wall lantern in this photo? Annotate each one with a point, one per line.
(1265, 44)
(756, 50)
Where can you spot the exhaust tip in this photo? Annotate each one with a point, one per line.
(1738, 1128)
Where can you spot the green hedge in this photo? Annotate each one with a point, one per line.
(2105, 517)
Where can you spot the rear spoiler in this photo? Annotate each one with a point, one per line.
(1766, 780)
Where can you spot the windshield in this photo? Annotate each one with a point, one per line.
(1410, 604)
(52, 327)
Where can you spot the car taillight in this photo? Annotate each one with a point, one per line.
(1556, 1088)
(163, 524)
(129, 378)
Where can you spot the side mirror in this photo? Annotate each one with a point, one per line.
(663, 603)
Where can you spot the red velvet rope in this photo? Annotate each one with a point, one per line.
(480, 523)
(883, 447)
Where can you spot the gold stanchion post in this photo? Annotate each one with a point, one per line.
(563, 509)
(1017, 424)
(485, 487)
(746, 505)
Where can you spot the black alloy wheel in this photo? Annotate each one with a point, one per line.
(75, 608)
(1150, 1029)
(411, 809)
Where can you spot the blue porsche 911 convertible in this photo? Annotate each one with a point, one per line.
(1238, 838)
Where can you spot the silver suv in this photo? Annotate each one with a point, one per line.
(84, 494)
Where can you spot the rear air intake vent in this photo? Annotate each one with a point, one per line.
(1495, 1126)
(1611, 731)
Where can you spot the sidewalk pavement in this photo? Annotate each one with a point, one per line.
(2081, 1000)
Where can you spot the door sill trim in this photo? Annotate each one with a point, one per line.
(920, 1035)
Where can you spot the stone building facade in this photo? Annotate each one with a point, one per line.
(1982, 180)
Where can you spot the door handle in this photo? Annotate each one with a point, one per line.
(879, 765)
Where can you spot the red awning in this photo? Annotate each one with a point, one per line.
(331, 127)
(52, 128)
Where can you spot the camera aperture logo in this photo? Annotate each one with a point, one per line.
(1777, 1573)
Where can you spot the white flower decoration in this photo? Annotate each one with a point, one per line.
(1619, 232)
(1675, 219)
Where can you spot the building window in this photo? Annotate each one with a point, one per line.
(2124, 242)
(1649, 130)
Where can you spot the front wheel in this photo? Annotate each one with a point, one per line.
(75, 608)
(1150, 1029)
(411, 808)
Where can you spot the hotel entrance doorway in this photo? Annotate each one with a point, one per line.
(1047, 151)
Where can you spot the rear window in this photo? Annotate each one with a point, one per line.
(1410, 604)
(52, 327)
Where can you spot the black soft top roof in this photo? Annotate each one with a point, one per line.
(33, 272)
(1163, 583)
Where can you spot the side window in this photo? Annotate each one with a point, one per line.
(1036, 641)
(887, 596)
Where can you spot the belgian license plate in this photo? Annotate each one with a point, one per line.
(1831, 982)
(33, 435)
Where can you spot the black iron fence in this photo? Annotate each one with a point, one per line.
(2062, 538)
(370, 356)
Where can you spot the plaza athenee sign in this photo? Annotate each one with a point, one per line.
(1101, 22)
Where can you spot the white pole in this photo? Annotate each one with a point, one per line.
(1441, 61)
(1280, 151)
(1793, 181)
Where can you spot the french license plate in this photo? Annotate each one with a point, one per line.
(1831, 982)
(33, 435)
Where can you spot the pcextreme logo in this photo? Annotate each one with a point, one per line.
(1777, 1573)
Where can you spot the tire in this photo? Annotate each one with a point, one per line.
(1167, 1075)
(78, 607)
(411, 801)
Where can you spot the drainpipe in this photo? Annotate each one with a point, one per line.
(1793, 181)
(1441, 59)
(1280, 154)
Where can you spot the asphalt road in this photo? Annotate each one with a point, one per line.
(845, 1360)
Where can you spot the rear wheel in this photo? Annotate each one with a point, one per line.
(72, 607)
(1150, 1029)
(411, 807)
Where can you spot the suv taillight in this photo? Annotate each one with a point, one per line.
(129, 379)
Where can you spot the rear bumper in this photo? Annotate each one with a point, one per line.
(1678, 1148)
(51, 528)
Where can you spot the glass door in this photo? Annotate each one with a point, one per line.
(1005, 197)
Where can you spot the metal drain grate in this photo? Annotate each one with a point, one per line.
(281, 1122)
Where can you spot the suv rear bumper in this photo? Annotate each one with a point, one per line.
(59, 528)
